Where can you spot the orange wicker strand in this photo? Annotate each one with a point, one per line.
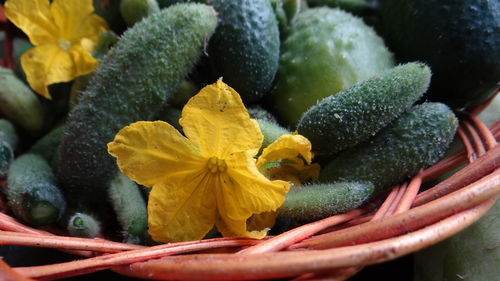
(409, 196)
(472, 172)
(61, 242)
(478, 144)
(73, 268)
(387, 204)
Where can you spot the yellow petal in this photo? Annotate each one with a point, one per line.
(244, 191)
(48, 64)
(237, 228)
(291, 147)
(217, 121)
(182, 211)
(152, 153)
(262, 221)
(297, 174)
(74, 20)
(34, 18)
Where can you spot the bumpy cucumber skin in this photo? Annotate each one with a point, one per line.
(30, 184)
(317, 201)
(359, 112)
(414, 141)
(245, 47)
(130, 208)
(131, 83)
(327, 50)
(8, 143)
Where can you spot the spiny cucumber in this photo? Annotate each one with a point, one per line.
(31, 191)
(8, 143)
(130, 208)
(83, 225)
(351, 116)
(414, 141)
(245, 47)
(317, 201)
(131, 83)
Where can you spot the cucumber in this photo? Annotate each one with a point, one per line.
(317, 201)
(131, 83)
(8, 143)
(83, 225)
(327, 50)
(351, 116)
(245, 47)
(130, 208)
(133, 11)
(271, 131)
(414, 141)
(31, 191)
(458, 39)
(19, 104)
(358, 7)
(46, 146)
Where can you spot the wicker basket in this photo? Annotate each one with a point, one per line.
(402, 222)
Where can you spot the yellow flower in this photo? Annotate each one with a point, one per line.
(63, 32)
(289, 158)
(208, 177)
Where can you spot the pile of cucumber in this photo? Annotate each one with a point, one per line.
(321, 68)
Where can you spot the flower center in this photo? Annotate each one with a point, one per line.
(64, 44)
(216, 165)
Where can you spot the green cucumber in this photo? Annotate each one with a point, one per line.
(358, 7)
(317, 201)
(458, 39)
(245, 47)
(131, 83)
(32, 193)
(414, 141)
(8, 143)
(271, 131)
(351, 116)
(83, 225)
(130, 208)
(19, 104)
(327, 50)
(133, 11)
(47, 145)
